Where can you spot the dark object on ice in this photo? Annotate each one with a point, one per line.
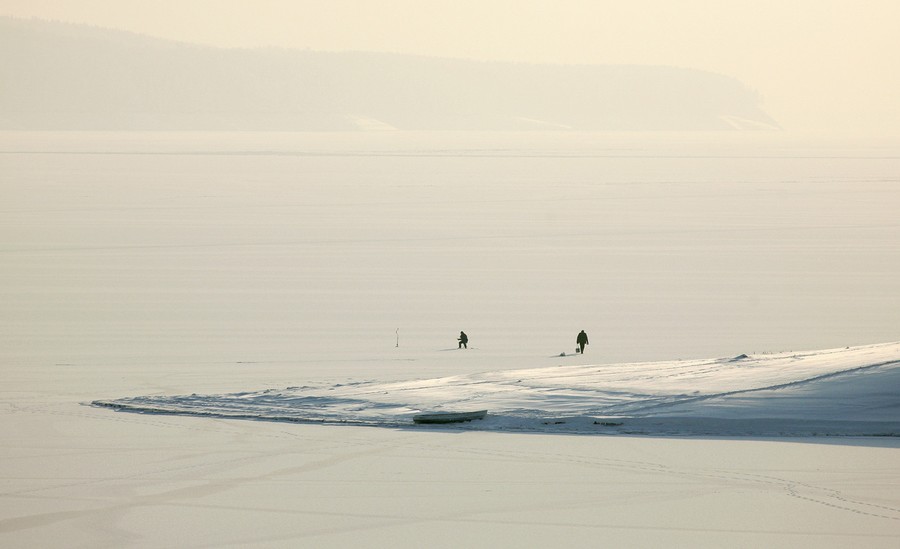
(581, 340)
(463, 340)
(608, 423)
(449, 417)
(739, 357)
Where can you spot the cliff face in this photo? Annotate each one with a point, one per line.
(60, 76)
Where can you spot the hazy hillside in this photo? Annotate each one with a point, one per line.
(61, 76)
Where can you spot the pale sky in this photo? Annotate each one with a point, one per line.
(818, 65)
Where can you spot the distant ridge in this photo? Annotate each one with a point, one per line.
(58, 76)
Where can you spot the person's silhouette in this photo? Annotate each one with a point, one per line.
(581, 340)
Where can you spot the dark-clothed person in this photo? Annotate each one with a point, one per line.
(581, 340)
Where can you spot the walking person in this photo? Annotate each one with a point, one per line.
(581, 340)
(463, 340)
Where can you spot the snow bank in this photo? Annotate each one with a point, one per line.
(849, 391)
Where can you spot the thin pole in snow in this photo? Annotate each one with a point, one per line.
(398, 337)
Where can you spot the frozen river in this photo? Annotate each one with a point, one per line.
(263, 267)
(237, 247)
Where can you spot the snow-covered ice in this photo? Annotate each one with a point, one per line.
(269, 276)
(849, 391)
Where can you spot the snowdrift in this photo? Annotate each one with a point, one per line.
(853, 391)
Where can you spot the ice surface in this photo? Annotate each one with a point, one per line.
(182, 248)
(833, 392)
(250, 272)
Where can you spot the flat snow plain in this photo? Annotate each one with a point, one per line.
(325, 277)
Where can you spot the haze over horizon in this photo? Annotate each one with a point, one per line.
(818, 66)
(65, 76)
